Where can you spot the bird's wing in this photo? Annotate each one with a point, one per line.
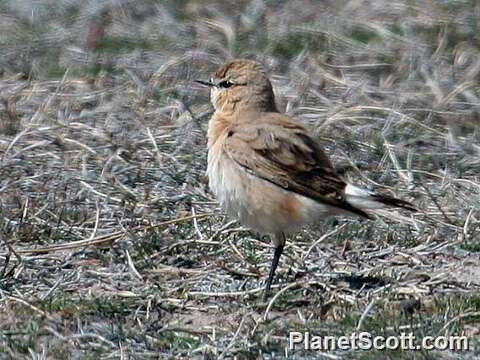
(281, 151)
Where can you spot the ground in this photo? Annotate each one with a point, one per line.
(112, 245)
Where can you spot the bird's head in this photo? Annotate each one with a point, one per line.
(241, 84)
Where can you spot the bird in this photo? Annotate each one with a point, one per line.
(267, 169)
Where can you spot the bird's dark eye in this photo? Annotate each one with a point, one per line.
(225, 84)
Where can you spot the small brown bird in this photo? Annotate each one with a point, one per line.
(266, 168)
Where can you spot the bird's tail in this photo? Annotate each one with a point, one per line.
(365, 199)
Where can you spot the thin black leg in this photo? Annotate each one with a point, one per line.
(276, 257)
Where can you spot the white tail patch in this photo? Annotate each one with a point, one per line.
(353, 190)
(365, 199)
(362, 198)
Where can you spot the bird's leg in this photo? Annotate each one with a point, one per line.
(279, 241)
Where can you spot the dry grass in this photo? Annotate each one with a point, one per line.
(112, 245)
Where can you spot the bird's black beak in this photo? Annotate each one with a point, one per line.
(205, 83)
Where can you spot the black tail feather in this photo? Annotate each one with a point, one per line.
(393, 202)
